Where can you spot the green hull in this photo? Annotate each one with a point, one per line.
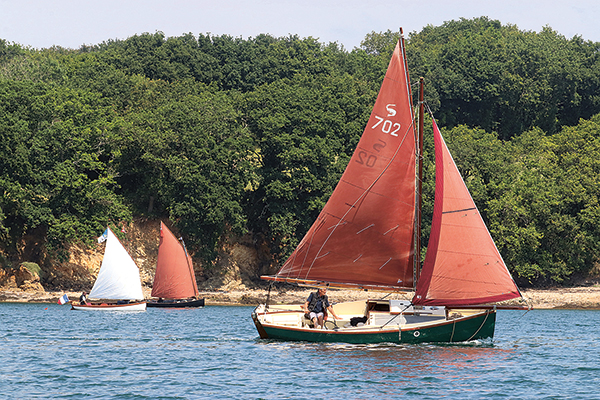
(479, 326)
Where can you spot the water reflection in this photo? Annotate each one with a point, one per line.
(401, 369)
(415, 360)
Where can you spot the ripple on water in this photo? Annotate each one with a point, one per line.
(48, 351)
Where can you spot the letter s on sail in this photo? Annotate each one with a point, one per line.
(391, 110)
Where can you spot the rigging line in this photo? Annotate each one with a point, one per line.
(321, 224)
(364, 193)
(428, 108)
(529, 309)
(306, 243)
(395, 316)
(390, 320)
(483, 323)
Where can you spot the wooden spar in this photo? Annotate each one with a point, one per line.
(335, 285)
(490, 307)
(419, 181)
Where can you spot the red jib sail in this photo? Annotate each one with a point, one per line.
(364, 236)
(462, 265)
(174, 277)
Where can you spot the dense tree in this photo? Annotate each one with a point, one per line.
(481, 73)
(56, 162)
(187, 155)
(224, 135)
(305, 128)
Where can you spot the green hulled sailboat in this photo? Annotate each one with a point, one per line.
(367, 238)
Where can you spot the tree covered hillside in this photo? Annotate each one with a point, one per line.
(226, 135)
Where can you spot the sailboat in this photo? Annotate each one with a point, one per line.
(174, 279)
(118, 285)
(367, 237)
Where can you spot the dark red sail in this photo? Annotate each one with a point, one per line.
(174, 277)
(364, 235)
(462, 265)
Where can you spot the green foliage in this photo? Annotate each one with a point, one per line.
(223, 61)
(481, 73)
(33, 268)
(226, 135)
(306, 129)
(192, 156)
(380, 43)
(55, 163)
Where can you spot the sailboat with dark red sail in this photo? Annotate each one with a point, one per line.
(174, 280)
(367, 237)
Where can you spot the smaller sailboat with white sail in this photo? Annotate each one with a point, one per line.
(174, 280)
(118, 285)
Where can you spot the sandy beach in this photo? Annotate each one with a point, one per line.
(554, 298)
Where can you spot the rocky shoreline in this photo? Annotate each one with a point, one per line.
(554, 298)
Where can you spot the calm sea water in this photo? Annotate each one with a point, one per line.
(50, 352)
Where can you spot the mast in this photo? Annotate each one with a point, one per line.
(416, 257)
(419, 182)
(419, 186)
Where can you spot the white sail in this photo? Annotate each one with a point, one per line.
(119, 277)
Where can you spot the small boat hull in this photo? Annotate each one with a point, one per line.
(478, 324)
(137, 306)
(184, 303)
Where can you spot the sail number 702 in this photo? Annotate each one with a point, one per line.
(387, 126)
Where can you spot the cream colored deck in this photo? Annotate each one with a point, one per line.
(398, 314)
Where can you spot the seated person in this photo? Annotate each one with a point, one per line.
(316, 305)
(83, 298)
